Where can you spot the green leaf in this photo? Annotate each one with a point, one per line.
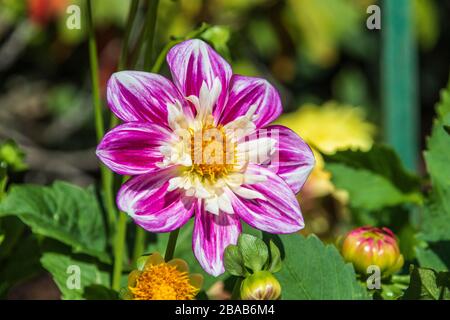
(447, 128)
(435, 220)
(275, 258)
(99, 292)
(374, 179)
(12, 229)
(435, 255)
(314, 271)
(73, 276)
(381, 160)
(233, 261)
(254, 251)
(63, 212)
(367, 190)
(427, 284)
(21, 264)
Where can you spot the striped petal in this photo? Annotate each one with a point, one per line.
(133, 148)
(279, 212)
(212, 234)
(146, 199)
(141, 96)
(194, 62)
(246, 92)
(292, 160)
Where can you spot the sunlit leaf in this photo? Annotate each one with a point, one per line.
(73, 276)
(63, 212)
(312, 270)
(427, 284)
(375, 179)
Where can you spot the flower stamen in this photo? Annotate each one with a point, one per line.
(212, 152)
(163, 282)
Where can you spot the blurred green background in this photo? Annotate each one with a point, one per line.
(343, 86)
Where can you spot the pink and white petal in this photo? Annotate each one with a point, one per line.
(254, 148)
(293, 160)
(142, 96)
(246, 92)
(133, 148)
(193, 62)
(148, 202)
(212, 234)
(278, 213)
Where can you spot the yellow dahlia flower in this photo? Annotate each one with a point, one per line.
(156, 279)
(327, 129)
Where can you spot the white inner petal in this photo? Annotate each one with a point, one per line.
(208, 180)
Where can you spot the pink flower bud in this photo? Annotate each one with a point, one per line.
(369, 246)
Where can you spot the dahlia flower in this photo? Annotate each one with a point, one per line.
(201, 146)
(156, 279)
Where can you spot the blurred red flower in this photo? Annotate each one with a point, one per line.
(43, 11)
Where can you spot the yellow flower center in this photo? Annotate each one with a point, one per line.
(212, 153)
(163, 282)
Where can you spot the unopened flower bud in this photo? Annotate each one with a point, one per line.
(369, 246)
(261, 285)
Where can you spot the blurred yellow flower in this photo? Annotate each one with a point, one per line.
(321, 34)
(156, 279)
(327, 129)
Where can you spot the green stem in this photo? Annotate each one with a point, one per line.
(170, 250)
(108, 194)
(162, 55)
(3, 183)
(119, 247)
(139, 243)
(126, 38)
(403, 279)
(150, 33)
(235, 295)
(106, 175)
(147, 33)
(99, 126)
(138, 47)
(114, 121)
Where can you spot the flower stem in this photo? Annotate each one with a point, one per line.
(401, 279)
(93, 60)
(162, 55)
(170, 250)
(150, 33)
(235, 295)
(114, 121)
(106, 175)
(139, 243)
(119, 247)
(126, 38)
(136, 51)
